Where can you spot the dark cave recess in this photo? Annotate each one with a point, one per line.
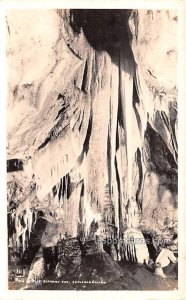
(105, 29)
(14, 165)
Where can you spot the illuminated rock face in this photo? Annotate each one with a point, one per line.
(93, 121)
(135, 248)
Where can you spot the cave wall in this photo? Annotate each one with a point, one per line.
(92, 115)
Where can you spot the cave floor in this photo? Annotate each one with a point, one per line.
(135, 277)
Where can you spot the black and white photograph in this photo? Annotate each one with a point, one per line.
(92, 149)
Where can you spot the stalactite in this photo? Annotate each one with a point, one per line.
(130, 123)
(47, 158)
(114, 85)
(150, 104)
(122, 167)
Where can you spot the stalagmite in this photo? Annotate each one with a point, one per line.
(135, 247)
(37, 269)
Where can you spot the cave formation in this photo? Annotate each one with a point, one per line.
(94, 154)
